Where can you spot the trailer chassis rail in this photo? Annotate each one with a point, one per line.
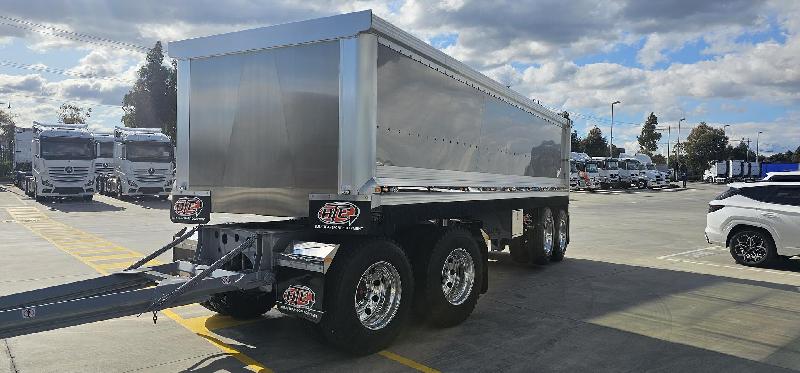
(130, 292)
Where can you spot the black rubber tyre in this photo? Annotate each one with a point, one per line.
(753, 248)
(241, 304)
(455, 246)
(88, 198)
(561, 239)
(543, 232)
(341, 325)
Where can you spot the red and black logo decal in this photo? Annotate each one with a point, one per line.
(299, 296)
(188, 206)
(338, 213)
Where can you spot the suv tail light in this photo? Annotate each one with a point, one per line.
(712, 208)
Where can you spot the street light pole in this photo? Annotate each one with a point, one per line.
(757, 136)
(611, 143)
(678, 151)
(669, 134)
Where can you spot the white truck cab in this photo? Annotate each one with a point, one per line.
(628, 171)
(654, 178)
(609, 171)
(587, 170)
(143, 164)
(104, 150)
(63, 162)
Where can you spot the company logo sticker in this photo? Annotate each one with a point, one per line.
(338, 213)
(299, 296)
(188, 206)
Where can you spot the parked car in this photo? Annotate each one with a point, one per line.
(787, 176)
(756, 221)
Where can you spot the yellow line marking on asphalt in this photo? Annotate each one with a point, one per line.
(407, 362)
(109, 257)
(217, 322)
(63, 237)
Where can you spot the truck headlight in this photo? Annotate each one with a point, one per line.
(46, 182)
(132, 183)
(90, 182)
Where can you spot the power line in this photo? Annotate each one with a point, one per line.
(54, 70)
(43, 32)
(78, 34)
(48, 98)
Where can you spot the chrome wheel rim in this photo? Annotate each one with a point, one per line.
(458, 276)
(549, 228)
(562, 234)
(377, 295)
(750, 247)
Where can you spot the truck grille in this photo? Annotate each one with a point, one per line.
(68, 174)
(100, 169)
(158, 175)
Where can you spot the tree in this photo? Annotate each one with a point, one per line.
(595, 145)
(577, 144)
(658, 159)
(7, 125)
(648, 140)
(740, 151)
(152, 101)
(703, 145)
(73, 114)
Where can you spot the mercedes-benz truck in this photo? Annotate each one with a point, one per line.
(323, 121)
(609, 172)
(63, 162)
(143, 164)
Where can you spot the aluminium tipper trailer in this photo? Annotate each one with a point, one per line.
(397, 162)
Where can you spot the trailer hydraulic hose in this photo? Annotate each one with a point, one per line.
(166, 299)
(160, 251)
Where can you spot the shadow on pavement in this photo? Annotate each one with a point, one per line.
(79, 205)
(149, 202)
(578, 315)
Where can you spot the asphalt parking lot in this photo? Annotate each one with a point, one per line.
(640, 290)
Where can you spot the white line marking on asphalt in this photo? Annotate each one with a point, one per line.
(688, 252)
(742, 268)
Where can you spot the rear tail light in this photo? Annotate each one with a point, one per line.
(712, 208)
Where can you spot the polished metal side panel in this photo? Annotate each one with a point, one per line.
(436, 130)
(182, 134)
(264, 128)
(425, 119)
(357, 113)
(514, 142)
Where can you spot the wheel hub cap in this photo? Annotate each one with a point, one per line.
(562, 235)
(377, 296)
(458, 276)
(548, 235)
(751, 248)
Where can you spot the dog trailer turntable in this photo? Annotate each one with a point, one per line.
(398, 167)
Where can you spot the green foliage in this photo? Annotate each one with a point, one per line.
(595, 145)
(73, 114)
(577, 142)
(703, 145)
(648, 140)
(7, 125)
(740, 151)
(152, 102)
(658, 159)
(787, 157)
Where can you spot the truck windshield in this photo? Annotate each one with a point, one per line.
(105, 150)
(78, 149)
(591, 167)
(573, 168)
(651, 167)
(612, 165)
(149, 152)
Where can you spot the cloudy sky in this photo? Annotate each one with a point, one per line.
(733, 62)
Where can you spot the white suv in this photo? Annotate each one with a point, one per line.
(756, 221)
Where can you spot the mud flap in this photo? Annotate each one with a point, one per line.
(301, 270)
